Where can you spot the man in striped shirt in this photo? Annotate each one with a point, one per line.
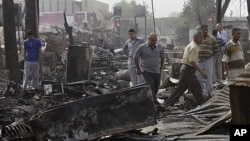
(233, 57)
(217, 77)
(207, 49)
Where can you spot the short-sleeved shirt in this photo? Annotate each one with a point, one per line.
(32, 49)
(150, 58)
(234, 57)
(190, 53)
(131, 47)
(207, 48)
(221, 45)
(223, 35)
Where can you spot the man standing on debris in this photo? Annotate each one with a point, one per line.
(188, 79)
(217, 77)
(129, 49)
(32, 60)
(233, 57)
(152, 59)
(206, 51)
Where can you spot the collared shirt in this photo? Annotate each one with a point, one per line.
(234, 57)
(223, 35)
(221, 45)
(131, 47)
(150, 57)
(207, 48)
(190, 53)
(32, 48)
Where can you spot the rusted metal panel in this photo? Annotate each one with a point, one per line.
(97, 116)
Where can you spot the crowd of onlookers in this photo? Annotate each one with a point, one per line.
(207, 60)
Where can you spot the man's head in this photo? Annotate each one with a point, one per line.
(197, 37)
(132, 34)
(198, 28)
(204, 30)
(152, 39)
(219, 26)
(236, 34)
(30, 34)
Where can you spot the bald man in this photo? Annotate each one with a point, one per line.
(152, 59)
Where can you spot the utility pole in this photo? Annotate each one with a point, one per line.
(218, 11)
(10, 40)
(152, 2)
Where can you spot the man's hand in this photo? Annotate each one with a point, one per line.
(138, 71)
(204, 75)
(225, 73)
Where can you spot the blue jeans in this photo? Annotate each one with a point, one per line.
(207, 66)
(31, 69)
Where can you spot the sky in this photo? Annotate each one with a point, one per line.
(162, 8)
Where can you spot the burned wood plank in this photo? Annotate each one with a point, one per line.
(96, 116)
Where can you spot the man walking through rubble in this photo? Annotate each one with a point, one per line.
(129, 49)
(188, 79)
(152, 59)
(32, 60)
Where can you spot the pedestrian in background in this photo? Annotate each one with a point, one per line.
(206, 52)
(221, 33)
(233, 57)
(129, 49)
(32, 60)
(217, 77)
(152, 59)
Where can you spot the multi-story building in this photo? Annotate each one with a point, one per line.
(70, 7)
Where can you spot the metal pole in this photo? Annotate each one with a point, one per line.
(153, 14)
(218, 13)
(145, 27)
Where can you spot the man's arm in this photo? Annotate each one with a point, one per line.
(24, 54)
(225, 69)
(138, 69)
(161, 65)
(125, 51)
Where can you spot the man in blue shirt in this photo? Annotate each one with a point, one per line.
(32, 60)
(152, 59)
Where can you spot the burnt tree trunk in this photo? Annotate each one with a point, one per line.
(32, 16)
(218, 11)
(248, 11)
(10, 40)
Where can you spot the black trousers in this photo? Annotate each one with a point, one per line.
(187, 80)
(153, 80)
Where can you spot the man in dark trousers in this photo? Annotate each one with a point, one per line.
(187, 74)
(152, 59)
